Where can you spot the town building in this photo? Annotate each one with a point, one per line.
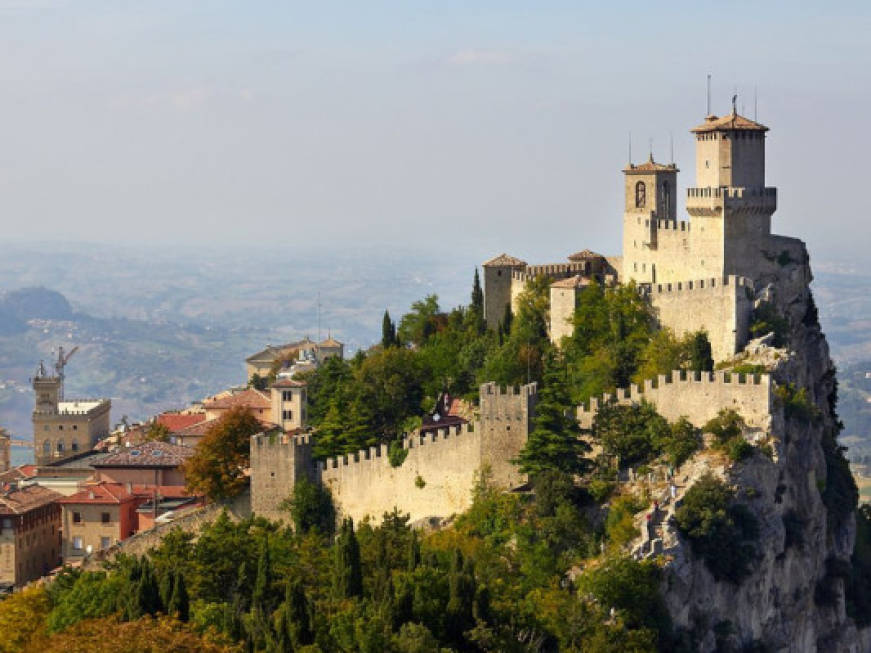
(30, 534)
(64, 427)
(147, 465)
(289, 401)
(258, 402)
(300, 356)
(97, 517)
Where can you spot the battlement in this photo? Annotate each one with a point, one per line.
(732, 192)
(698, 396)
(698, 285)
(710, 201)
(261, 440)
(379, 453)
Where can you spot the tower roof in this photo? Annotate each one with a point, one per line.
(650, 166)
(504, 259)
(730, 122)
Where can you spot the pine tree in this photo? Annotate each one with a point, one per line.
(554, 442)
(348, 570)
(179, 602)
(701, 359)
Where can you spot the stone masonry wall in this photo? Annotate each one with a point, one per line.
(698, 397)
(722, 307)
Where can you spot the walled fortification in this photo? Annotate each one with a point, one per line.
(698, 396)
(435, 479)
(721, 307)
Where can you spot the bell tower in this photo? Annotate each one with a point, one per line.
(650, 202)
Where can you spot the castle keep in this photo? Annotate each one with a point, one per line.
(703, 274)
(700, 273)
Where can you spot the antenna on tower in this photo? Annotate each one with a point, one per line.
(708, 105)
(650, 147)
(630, 148)
(319, 316)
(755, 103)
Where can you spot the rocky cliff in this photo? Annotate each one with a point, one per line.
(802, 496)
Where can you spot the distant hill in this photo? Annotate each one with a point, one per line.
(19, 306)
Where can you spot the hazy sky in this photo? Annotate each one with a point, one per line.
(491, 126)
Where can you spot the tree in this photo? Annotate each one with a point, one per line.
(477, 306)
(215, 469)
(392, 382)
(388, 331)
(311, 508)
(157, 432)
(421, 322)
(554, 442)
(701, 359)
(22, 617)
(296, 611)
(347, 569)
(260, 597)
(179, 602)
(633, 432)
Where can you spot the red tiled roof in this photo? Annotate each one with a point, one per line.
(577, 281)
(112, 493)
(504, 259)
(166, 491)
(26, 499)
(651, 166)
(249, 398)
(729, 122)
(148, 454)
(177, 421)
(199, 429)
(18, 473)
(286, 382)
(583, 255)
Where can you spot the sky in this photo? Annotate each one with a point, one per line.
(461, 126)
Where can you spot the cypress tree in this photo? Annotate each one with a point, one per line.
(348, 570)
(461, 583)
(554, 441)
(179, 602)
(413, 552)
(388, 331)
(701, 359)
(166, 584)
(297, 615)
(148, 592)
(507, 319)
(260, 596)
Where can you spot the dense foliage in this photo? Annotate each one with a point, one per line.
(496, 581)
(721, 531)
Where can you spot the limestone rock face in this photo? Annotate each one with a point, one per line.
(775, 606)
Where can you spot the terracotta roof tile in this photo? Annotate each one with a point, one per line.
(111, 493)
(584, 255)
(178, 421)
(286, 382)
(148, 454)
(651, 166)
(26, 499)
(577, 281)
(504, 259)
(330, 342)
(249, 398)
(730, 122)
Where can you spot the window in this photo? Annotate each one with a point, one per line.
(60, 427)
(666, 198)
(104, 543)
(287, 414)
(74, 445)
(45, 428)
(60, 446)
(75, 427)
(77, 518)
(105, 517)
(286, 395)
(46, 447)
(77, 543)
(640, 195)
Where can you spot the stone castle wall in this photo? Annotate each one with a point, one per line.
(722, 307)
(435, 479)
(696, 396)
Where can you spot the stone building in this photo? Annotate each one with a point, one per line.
(97, 517)
(699, 274)
(64, 427)
(147, 465)
(303, 353)
(289, 404)
(30, 532)
(5, 455)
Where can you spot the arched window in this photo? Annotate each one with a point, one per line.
(46, 448)
(640, 195)
(665, 201)
(60, 446)
(74, 445)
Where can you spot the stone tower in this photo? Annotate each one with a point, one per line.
(63, 428)
(498, 273)
(5, 456)
(730, 198)
(650, 198)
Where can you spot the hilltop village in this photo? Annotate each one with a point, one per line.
(691, 362)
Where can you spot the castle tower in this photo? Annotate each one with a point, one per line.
(498, 273)
(650, 198)
(730, 205)
(5, 456)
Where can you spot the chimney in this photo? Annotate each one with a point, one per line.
(129, 485)
(91, 495)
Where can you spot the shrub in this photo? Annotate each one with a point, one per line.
(600, 489)
(726, 425)
(766, 320)
(396, 453)
(738, 449)
(630, 432)
(750, 369)
(796, 404)
(311, 507)
(721, 532)
(619, 526)
(419, 482)
(681, 442)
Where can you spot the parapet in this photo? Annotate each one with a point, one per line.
(379, 452)
(702, 285)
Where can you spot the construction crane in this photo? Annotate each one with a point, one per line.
(62, 360)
